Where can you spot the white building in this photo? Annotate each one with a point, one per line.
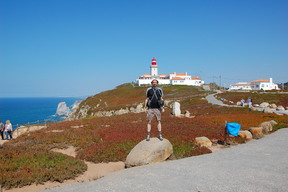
(261, 84)
(172, 78)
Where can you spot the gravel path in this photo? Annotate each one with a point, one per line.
(258, 166)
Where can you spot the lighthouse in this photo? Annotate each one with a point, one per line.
(154, 68)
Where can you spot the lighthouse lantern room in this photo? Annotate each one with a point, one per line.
(154, 68)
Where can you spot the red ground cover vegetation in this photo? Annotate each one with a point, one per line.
(106, 139)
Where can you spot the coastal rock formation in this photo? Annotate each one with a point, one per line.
(203, 141)
(63, 110)
(25, 129)
(147, 152)
(84, 110)
(75, 105)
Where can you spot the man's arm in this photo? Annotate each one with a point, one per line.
(145, 104)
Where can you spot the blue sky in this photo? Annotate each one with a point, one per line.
(75, 48)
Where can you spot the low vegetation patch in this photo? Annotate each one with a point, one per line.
(20, 167)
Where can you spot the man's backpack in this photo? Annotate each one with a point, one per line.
(160, 102)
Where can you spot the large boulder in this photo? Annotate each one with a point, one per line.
(245, 134)
(257, 132)
(176, 109)
(203, 141)
(147, 152)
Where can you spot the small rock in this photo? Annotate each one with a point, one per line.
(267, 127)
(280, 108)
(267, 110)
(245, 134)
(273, 122)
(187, 114)
(253, 109)
(257, 132)
(203, 141)
(264, 104)
(273, 106)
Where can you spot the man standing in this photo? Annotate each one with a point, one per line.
(2, 127)
(154, 107)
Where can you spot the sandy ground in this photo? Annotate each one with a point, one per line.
(94, 171)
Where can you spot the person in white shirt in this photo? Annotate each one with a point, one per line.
(8, 130)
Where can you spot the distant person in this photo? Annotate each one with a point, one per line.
(8, 130)
(242, 102)
(153, 107)
(2, 128)
(249, 100)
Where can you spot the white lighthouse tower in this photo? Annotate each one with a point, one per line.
(154, 68)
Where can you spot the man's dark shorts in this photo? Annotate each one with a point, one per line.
(152, 112)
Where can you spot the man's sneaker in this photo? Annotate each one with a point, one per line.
(148, 138)
(160, 137)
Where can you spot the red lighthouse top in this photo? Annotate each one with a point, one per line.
(154, 61)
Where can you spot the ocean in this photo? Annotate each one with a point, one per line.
(29, 110)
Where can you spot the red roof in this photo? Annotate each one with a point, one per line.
(196, 78)
(178, 78)
(242, 84)
(260, 80)
(179, 74)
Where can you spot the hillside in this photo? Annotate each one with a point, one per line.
(128, 98)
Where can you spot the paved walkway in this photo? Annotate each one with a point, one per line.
(214, 101)
(258, 166)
